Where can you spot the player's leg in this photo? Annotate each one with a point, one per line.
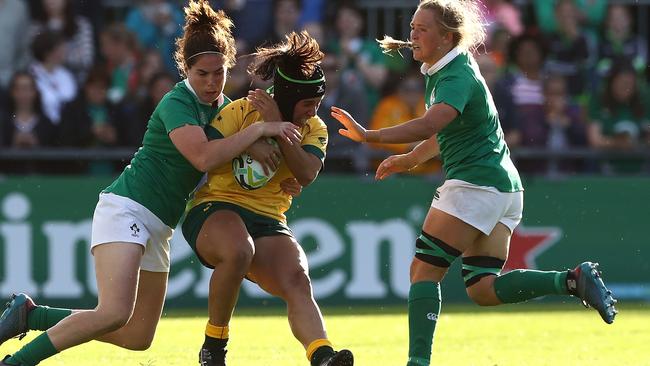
(482, 264)
(223, 243)
(139, 332)
(117, 266)
(444, 237)
(280, 268)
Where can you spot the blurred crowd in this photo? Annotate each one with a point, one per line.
(564, 74)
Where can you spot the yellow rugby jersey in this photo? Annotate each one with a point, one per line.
(268, 200)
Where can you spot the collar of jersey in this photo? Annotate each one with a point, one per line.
(427, 69)
(220, 101)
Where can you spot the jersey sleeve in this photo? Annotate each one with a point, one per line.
(454, 90)
(176, 112)
(315, 140)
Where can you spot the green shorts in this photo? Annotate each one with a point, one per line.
(257, 225)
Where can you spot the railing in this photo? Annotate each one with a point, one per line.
(360, 159)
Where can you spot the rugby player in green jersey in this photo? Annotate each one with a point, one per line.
(135, 216)
(475, 211)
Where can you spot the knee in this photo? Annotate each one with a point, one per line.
(296, 284)
(112, 318)
(142, 344)
(482, 292)
(238, 255)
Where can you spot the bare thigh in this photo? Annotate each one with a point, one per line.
(139, 332)
(224, 237)
(279, 264)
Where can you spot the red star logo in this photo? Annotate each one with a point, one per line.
(527, 243)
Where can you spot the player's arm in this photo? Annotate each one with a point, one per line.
(403, 162)
(434, 119)
(425, 150)
(204, 155)
(302, 164)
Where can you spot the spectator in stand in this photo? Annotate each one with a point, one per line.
(569, 52)
(119, 49)
(502, 14)
(24, 125)
(619, 41)
(156, 24)
(619, 116)
(286, 14)
(55, 83)
(157, 86)
(60, 16)
(404, 104)
(358, 58)
(150, 64)
(92, 120)
(343, 89)
(252, 19)
(15, 47)
(559, 128)
(518, 94)
(591, 14)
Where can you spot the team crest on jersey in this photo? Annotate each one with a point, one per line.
(322, 140)
(135, 230)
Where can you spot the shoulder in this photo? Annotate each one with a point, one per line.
(240, 106)
(315, 124)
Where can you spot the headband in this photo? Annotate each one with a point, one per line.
(205, 52)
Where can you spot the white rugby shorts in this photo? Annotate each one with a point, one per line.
(123, 220)
(480, 206)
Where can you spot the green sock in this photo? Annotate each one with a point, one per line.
(424, 309)
(33, 352)
(45, 317)
(524, 284)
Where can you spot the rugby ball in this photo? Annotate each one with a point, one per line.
(249, 172)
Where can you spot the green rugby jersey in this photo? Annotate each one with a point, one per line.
(472, 146)
(159, 177)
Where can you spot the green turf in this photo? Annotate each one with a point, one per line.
(531, 335)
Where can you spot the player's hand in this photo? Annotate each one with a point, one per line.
(285, 131)
(264, 103)
(291, 187)
(394, 164)
(268, 155)
(352, 130)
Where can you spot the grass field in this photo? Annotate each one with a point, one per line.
(531, 335)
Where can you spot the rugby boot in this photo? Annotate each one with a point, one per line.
(340, 358)
(591, 290)
(211, 357)
(13, 321)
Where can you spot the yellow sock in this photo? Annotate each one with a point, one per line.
(314, 345)
(214, 331)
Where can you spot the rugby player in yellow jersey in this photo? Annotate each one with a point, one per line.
(244, 233)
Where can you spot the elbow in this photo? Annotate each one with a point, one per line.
(201, 164)
(307, 179)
